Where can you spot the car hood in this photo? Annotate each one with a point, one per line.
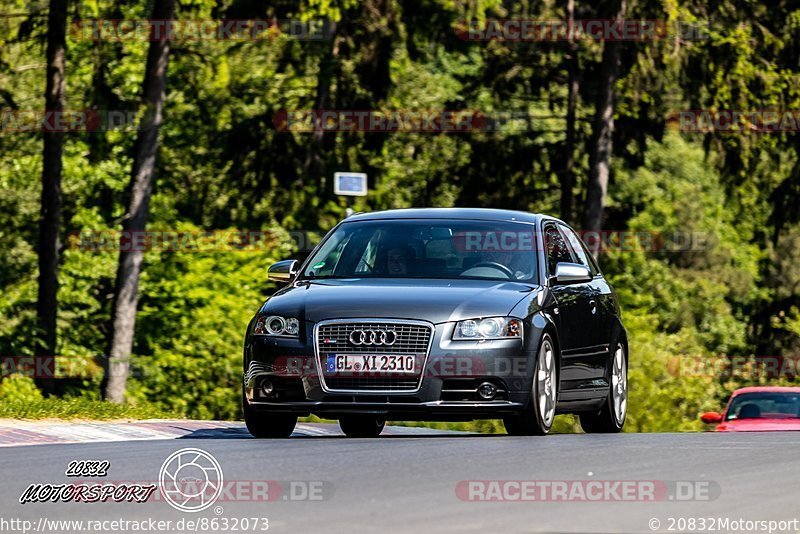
(759, 425)
(436, 301)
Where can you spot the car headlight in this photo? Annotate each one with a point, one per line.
(488, 328)
(275, 325)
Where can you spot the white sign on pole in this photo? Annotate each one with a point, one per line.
(352, 184)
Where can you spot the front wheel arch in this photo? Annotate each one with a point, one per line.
(549, 327)
(531, 421)
(605, 419)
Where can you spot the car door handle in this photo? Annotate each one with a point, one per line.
(593, 304)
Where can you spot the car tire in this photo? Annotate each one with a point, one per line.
(538, 416)
(611, 417)
(265, 425)
(362, 426)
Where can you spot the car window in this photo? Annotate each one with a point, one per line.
(418, 248)
(556, 248)
(758, 405)
(368, 260)
(328, 256)
(578, 250)
(442, 249)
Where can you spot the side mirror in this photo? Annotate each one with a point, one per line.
(711, 417)
(283, 271)
(571, 273)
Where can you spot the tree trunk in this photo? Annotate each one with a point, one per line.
(50, 222)
(568, 173)
(130, 261)
(313, 167)
(602, 136)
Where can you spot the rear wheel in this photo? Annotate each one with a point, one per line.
(267, 425)
(611, 417)
(538, 416)
(362, 426)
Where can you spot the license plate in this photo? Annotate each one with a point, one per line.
(381, 364)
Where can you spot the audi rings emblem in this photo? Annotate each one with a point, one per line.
(386, 338)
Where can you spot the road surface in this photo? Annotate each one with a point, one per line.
(419, 481)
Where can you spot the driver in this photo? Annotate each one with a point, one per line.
(398, 260)
(518, 264)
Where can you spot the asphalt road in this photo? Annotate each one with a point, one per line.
(409, 483)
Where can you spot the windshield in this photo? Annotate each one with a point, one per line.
(767, 405)
(445, 249)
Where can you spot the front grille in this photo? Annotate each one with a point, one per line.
(371, 383)
(412, 339)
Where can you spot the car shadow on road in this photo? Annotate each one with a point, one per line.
(239, 431)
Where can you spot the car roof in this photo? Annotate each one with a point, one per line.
(767, 389)
(485, 214)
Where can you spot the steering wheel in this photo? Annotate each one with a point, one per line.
(493, 265)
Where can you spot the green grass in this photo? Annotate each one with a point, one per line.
(78, 408)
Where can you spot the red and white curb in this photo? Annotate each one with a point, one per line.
(15, 433)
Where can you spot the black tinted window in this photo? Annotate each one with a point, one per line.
(407, 248)
(777, 405)
(556, 247)
(580, 252)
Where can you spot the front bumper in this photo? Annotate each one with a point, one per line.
(451, 374)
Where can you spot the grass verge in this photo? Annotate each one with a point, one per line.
(78, 408)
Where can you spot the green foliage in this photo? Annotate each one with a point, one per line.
(19, 389)
(716, 272)
(686, 285)
(194, 307)
(79, 408)
(689, 268)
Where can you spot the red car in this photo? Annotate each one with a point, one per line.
(759, 409)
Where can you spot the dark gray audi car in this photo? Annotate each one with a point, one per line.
(438, 314)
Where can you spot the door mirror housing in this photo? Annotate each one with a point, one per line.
(282, 272)
(711, 417)
(571, 273)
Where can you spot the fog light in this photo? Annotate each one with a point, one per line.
(267, 387)
(487, 390)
